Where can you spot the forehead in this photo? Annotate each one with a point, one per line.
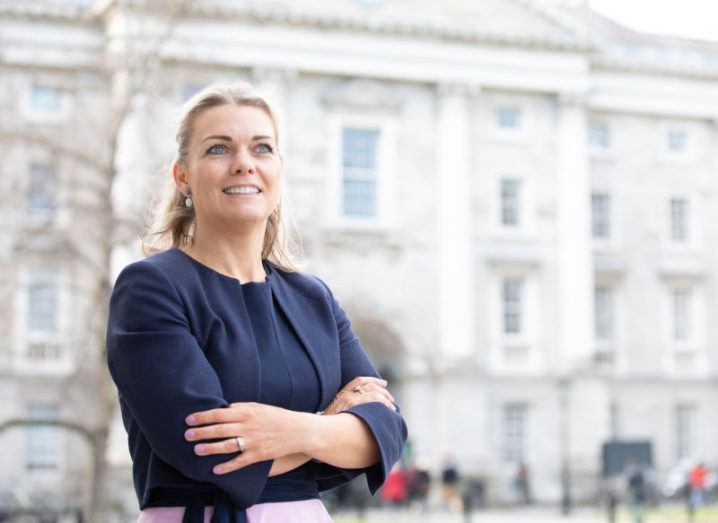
(234, 121)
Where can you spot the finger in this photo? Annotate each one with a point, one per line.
(222, 430)
(378, 388)
(362, 380)
(227, 446)
(244, 459)
(208, 417)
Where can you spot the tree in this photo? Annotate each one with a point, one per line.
(86, 146)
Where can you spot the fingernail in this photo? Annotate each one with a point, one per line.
(199, 449)
(189, 434)
(190, 420)
(218, 469)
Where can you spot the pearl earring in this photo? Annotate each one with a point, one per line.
(188, 200)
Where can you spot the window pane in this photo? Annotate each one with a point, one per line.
(679, 220)
(42, 298)
(677, 140)
(604, 313)
(601, 214)
(359, 162)
(513, 306)
(685, 431)
(681, 314)
(510, 202)
(515, 432)
(598, 135)
(42, 451)
(508, 117)
(41, 189)
(45, 99)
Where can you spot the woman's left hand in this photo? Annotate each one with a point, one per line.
(268, 432)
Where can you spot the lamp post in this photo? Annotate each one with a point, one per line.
(564, 386)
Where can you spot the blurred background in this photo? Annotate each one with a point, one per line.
(514, 200)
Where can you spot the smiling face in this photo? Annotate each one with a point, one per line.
(232, 167)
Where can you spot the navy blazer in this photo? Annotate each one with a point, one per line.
(179, 340)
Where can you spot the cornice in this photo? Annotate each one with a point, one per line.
(609, 63)
(45, 11)
(404, 27)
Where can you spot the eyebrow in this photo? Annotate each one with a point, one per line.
(226, 138)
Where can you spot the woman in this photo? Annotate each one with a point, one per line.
(223, 353)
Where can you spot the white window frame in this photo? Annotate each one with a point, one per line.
(41, 352)
(518, 184)
(526, 227)
(515, 432)
(685, 433)
(385, 218)
(38, 115)
(605, 338)
(510, 134)
(43, 436)
(515, 352)
(35, 214)
(687, 221)
(596, 146)
(609, 218)
(670, 156)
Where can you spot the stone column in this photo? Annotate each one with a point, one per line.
(575, 256)
(455, 253)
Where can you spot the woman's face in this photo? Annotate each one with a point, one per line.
(232, 167)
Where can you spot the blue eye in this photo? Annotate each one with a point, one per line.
(264, 148)
(217, 149)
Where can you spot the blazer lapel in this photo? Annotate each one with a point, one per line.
(306, 318)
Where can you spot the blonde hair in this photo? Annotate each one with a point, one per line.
(173, 223)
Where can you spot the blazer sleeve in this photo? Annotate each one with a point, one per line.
(387, 426)
(163, 375)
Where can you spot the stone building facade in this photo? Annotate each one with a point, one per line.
(514, 201)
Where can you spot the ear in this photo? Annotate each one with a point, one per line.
(179, 174)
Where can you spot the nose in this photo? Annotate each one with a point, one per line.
(243, 162)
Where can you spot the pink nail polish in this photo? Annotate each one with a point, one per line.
(217, 469)
(199, 449)
(189, 434)
(189, 420)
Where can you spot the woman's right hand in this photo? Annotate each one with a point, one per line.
(362, 389)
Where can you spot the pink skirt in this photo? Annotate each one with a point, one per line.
(307, 511)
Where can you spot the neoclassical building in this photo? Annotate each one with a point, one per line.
(515, 202)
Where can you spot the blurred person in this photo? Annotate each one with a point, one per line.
(521, 483)
(419, 484)
(450, 484)
(223, 352)
(636, 483)
(395, 487)
(696, 485)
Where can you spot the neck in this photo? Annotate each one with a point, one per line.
(238, 254)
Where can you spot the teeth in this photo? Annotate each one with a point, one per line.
(241, 190)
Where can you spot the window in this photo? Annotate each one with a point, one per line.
(604, 314)
(681, 314)
(513, 305)
(679, 220)
(359, 172)
(676, 140)
(601, 216)
(508, 117)
(43, 441)
(685, 431)
(615, 420)
(510, 202)
(515, 432)
(42, 301)
(598, 136)
(45, 99)
(41, 190)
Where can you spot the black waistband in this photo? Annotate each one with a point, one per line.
(225, 511)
